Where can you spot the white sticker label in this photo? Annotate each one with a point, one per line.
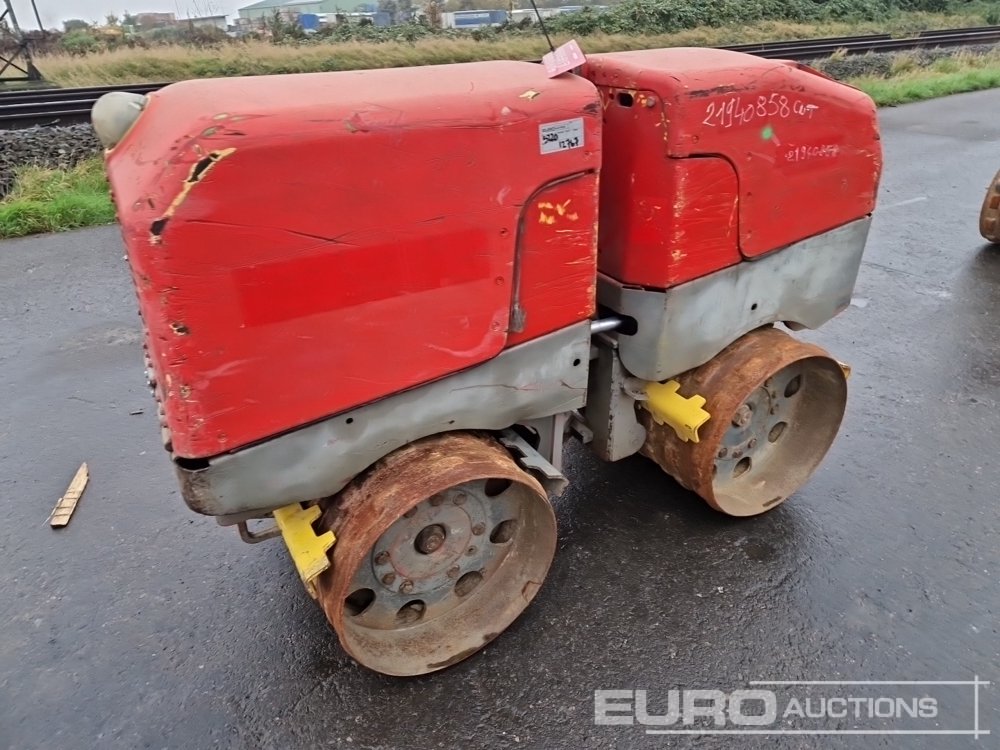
(561, 136)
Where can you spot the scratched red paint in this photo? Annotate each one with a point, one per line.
(663, 221)
(558, 248)
(354, 237)
(756, 114)
(284, 290)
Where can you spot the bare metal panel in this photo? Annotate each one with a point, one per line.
(680, 328)
(610, 412)
(539, 378)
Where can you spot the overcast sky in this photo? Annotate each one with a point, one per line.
(54, 12)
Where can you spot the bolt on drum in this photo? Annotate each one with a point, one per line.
(439, 548)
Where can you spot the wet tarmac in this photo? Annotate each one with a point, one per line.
(143, 625)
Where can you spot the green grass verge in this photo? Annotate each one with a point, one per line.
(52, 200)
(888, 92)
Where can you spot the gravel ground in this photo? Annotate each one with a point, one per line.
(880, 63)
(61, 147)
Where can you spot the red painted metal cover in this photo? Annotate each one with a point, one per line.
(804, 149)
(304, 244)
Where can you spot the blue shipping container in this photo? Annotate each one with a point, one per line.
(309, 21)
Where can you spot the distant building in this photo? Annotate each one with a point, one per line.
(377, 17)
(473, 19)
(290, 9)
(207, 22)
(529, 13)
(519, 14)
(154, 20)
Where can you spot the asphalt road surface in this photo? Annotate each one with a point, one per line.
(143, 625)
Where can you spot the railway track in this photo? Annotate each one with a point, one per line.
(26, 108)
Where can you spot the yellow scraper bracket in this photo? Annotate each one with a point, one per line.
(684, 415)
(307, 548)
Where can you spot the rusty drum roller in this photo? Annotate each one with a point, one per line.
(989, 215)
(776, 405)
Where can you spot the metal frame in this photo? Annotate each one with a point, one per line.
(531, 460)
(536, 380)
(805, 284)
(31, 73)
(610, 411)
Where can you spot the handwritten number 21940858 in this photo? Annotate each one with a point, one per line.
(736, 111)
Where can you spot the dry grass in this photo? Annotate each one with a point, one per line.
(259, 58)
(903, 63)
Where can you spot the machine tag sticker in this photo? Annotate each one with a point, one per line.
(563, 59)
(561, 136)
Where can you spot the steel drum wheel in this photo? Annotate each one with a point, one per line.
(989, 215)
(776, 404)
(439, 548)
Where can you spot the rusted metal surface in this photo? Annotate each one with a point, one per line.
(776, 405)
(252, 536)
(428, 567)
(989, 215)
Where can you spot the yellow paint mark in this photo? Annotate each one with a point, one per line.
(529, 94)
(561, 210)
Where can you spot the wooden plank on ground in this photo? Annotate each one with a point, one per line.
(67, 503)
